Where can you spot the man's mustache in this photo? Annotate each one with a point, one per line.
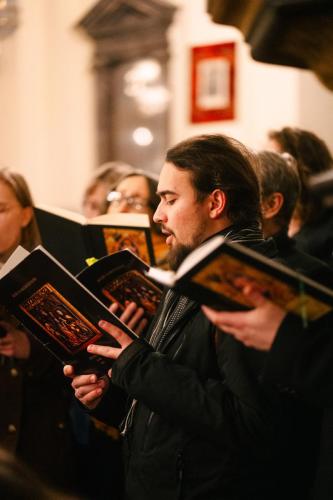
(166, 230)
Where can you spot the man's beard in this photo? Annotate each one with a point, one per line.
(177, 254)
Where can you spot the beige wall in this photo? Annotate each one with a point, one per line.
(47, 126)
(47, 119)
(268, 96)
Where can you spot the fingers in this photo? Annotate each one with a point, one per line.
(7, 351)
(6, 341)
(141, 326)
(121, 337)
(89, 389)
(83, 389)
(132, 316)
(105, 351)
(68, 371)
(136, 319)
(114, 307)
(131, 310)
(222, 319)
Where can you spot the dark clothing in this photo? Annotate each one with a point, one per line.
(34, 419)
(202, 426)
(303, 262)
(316, 238)
(301, 360)
(296, 360)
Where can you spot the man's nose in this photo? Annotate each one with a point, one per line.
(158, 216)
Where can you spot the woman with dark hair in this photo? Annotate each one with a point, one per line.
(34, 419)
(312, 222)
(136, 192)
(94, 200)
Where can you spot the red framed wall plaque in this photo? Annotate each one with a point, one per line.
(213, 82)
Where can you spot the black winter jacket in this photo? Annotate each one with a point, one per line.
(204, 427)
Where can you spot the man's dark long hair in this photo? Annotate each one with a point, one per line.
(220, 162)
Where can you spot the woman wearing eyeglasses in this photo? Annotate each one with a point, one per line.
(136, 193)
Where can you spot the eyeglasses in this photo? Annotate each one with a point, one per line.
(116, 199)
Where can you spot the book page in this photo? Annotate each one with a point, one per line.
(121, 219)
(198, 255)
(17, 256)
(169, 278)
(63, 212)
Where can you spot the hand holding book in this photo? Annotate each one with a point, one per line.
(89, 389)
(213, 273)
(256, 328)
(57, 309)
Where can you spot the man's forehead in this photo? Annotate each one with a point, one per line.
(173, 179)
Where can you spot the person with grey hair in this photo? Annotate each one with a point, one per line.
(311, 224)
(280, 187)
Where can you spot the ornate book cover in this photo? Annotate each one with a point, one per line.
(214, 273)
(121, 277)
(56, 308)
(72, 239)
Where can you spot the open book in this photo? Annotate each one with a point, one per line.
(120, 277)
(213, 274)
(71, 238)
(56, 308)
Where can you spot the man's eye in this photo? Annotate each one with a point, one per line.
(170, 201)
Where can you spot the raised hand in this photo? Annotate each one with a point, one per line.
(256, 328)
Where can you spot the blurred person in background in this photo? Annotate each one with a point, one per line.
(18, 482)
(94, 199)
(136, 192)
(312, 222)
(34, 420)
(280, 187)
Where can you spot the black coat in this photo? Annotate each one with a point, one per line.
(34, 419)
(301, 360)
(316, 238)
(204, 427)
(301, 357)
(301, 261)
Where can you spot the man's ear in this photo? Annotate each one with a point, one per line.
(271, 205)
(27, 213)
(217, 203)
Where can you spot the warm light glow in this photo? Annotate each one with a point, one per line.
(142, 136)
(144, 71)
(143, 84)
(153, 100)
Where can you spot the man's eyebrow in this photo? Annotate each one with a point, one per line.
(165, 192)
